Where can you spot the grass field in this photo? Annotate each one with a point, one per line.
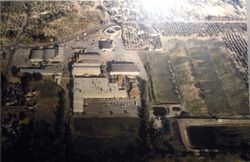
(224, 91)
(104, 134)
(215, 96)
(106, 127)
(163, 88)
(207, 81)
(184, 76)
(233, 85)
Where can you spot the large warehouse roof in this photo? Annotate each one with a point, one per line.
(36, 54)
(86, 70)
(124, 69)
(89, 62)
(89, 56)
(97, 88)
(49, 54)
(94, 88)
(105, 44)
(45, 54)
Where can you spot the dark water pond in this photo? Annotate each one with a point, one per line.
(159, 111)
(221, 138)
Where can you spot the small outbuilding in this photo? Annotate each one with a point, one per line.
(106, 45)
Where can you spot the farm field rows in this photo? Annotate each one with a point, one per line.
(204, 74)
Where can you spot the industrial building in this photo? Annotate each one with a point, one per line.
(94, 88)
(87, 65)
(55, 54)
(54, 70)
(88, 56)
(106, 45)
(83, 70)
(124, 69)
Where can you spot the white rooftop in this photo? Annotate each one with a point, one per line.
(94, 88)
(97, 88)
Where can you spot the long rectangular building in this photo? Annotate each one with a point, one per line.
(90, 88)
(125, 69)
(86, 71)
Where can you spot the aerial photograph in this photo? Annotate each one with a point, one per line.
(124, 81)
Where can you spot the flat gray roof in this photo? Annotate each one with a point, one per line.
(90, 61)
(48, 53)
(124, 68)
(36, 54)
(105, 44)
(89, 56)
(94, 87)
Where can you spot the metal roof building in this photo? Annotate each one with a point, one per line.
(83, 70)
(106, 44)
(88, 64)
(48, 54)
(89, 56)
(36, 55)
(125, 69)
(53, 69)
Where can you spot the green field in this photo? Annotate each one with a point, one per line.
(208, 82)
(162, 86)
(106, 127)
(106, 134)
(225, 92)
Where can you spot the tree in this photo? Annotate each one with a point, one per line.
(14, 70)
(37, 76)
(25, 80)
